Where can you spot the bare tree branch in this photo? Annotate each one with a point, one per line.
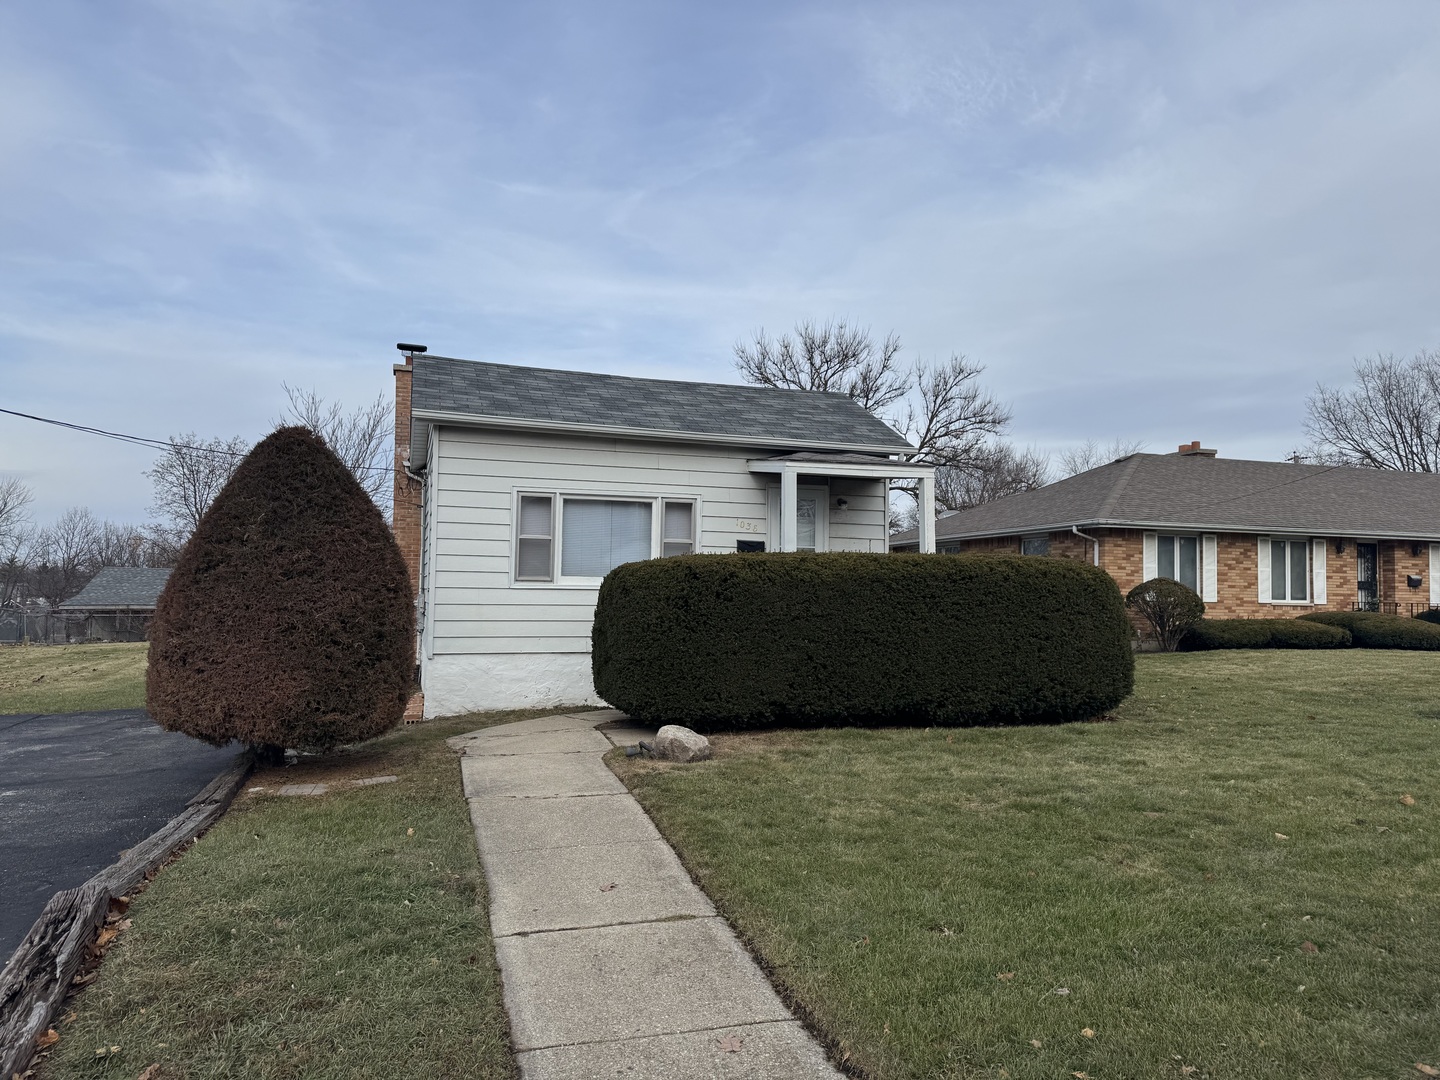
(1092, 454)
(1390, 418)
(363, 438)
(189, 475)
(66, 555)
(999, 471)
(941, 408)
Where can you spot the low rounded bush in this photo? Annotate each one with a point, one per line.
(1262, 634)
(727, 641)
(1372, 630)
(1169, 607)
(1431, 615)
(288, 620)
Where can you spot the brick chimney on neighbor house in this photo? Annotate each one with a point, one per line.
(1194, 449)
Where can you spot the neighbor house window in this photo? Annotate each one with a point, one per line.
(597, 535)
(1177, 557)
(1035, 545)
(679, 535)
(534, 560)
(1290, 570)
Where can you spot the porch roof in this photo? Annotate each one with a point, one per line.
(815, 463)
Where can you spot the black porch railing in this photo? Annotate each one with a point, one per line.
(1394, 607)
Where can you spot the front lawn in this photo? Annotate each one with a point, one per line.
(1222, 881)
(333, 937)
(72, 678)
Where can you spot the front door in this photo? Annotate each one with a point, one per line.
(812, 518)
(1367, 558)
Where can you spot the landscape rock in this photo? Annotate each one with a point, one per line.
(676, 743)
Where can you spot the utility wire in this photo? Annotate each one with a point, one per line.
(153, 444)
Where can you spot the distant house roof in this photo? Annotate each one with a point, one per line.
(1193, 491)
(469, 391)
(120, 587)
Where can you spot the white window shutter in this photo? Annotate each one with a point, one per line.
(1209, 568)
(1435, 573)
(1150, 563)
(1317, 570)
(1263, 550)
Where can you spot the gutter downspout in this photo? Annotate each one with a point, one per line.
(1093, 539)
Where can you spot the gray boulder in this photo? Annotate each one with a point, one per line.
(676, 743)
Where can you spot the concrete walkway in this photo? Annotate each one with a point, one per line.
(614, 963)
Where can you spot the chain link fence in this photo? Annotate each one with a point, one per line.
(71, 628)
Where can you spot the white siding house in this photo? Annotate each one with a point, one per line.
(533, 484)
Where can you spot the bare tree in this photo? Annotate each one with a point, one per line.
(1390, 418)
(16, 536)
(363, 438)
(1000, 471)
(836, 357)
(940, 407)
(1093, 454)
(189, 475)
(66, 555)
(15, 499)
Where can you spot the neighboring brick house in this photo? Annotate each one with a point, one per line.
(1254, 538)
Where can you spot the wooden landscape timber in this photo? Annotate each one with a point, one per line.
(39, 973)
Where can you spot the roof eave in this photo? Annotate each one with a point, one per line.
(1183, 526)
(436, 416)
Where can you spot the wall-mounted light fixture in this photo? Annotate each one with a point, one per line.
(841, 503)
(1339, 547)
(1415, 549)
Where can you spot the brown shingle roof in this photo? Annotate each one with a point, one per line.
(1217, 494)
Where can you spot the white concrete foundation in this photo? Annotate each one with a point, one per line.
(473, 682)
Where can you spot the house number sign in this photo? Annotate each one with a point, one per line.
(741, 525)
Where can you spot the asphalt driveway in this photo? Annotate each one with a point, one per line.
(76, 789)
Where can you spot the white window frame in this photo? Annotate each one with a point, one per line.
(1266, 568)
(1035, 536)
(557, 519)
(1151, 556)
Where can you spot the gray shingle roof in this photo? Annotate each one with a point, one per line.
(751, 415)
(1218, 494)
(120, 587)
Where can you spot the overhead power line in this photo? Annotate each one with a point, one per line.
(153, 444)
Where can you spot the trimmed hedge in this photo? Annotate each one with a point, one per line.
(288, 619)
(728, 641)
(1431, 615)
(1262, 634)
(1372, 630)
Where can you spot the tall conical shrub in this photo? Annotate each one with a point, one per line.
(288, 620)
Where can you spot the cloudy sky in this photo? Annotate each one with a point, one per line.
(1153, 220)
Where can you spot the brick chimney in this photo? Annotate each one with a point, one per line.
(1194, 449)
(405, 522)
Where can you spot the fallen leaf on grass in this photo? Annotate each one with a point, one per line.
(1081, 1076)
(152, 1072)
(1061, 990)
(1281, 836)
(1426, 1070)
(409, 832)
(610, 888)
(48, 1037)
(730, 1044)
(106, 937)
(1309, 947)
(1036, 1043)
(1089, 1033)
(1005, 976)
(1407, 800)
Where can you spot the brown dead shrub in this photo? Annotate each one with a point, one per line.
(288, 619)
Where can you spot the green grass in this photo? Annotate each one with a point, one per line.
(921, 895)
(72, 678)
(311, 937)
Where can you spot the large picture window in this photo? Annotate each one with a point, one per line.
(580, 539)
(1289, 571)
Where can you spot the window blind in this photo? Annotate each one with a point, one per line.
(598, 535)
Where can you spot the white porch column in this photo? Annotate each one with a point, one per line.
(789, 509)
(927, 514)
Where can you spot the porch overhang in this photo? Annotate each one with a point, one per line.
(789, 468)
